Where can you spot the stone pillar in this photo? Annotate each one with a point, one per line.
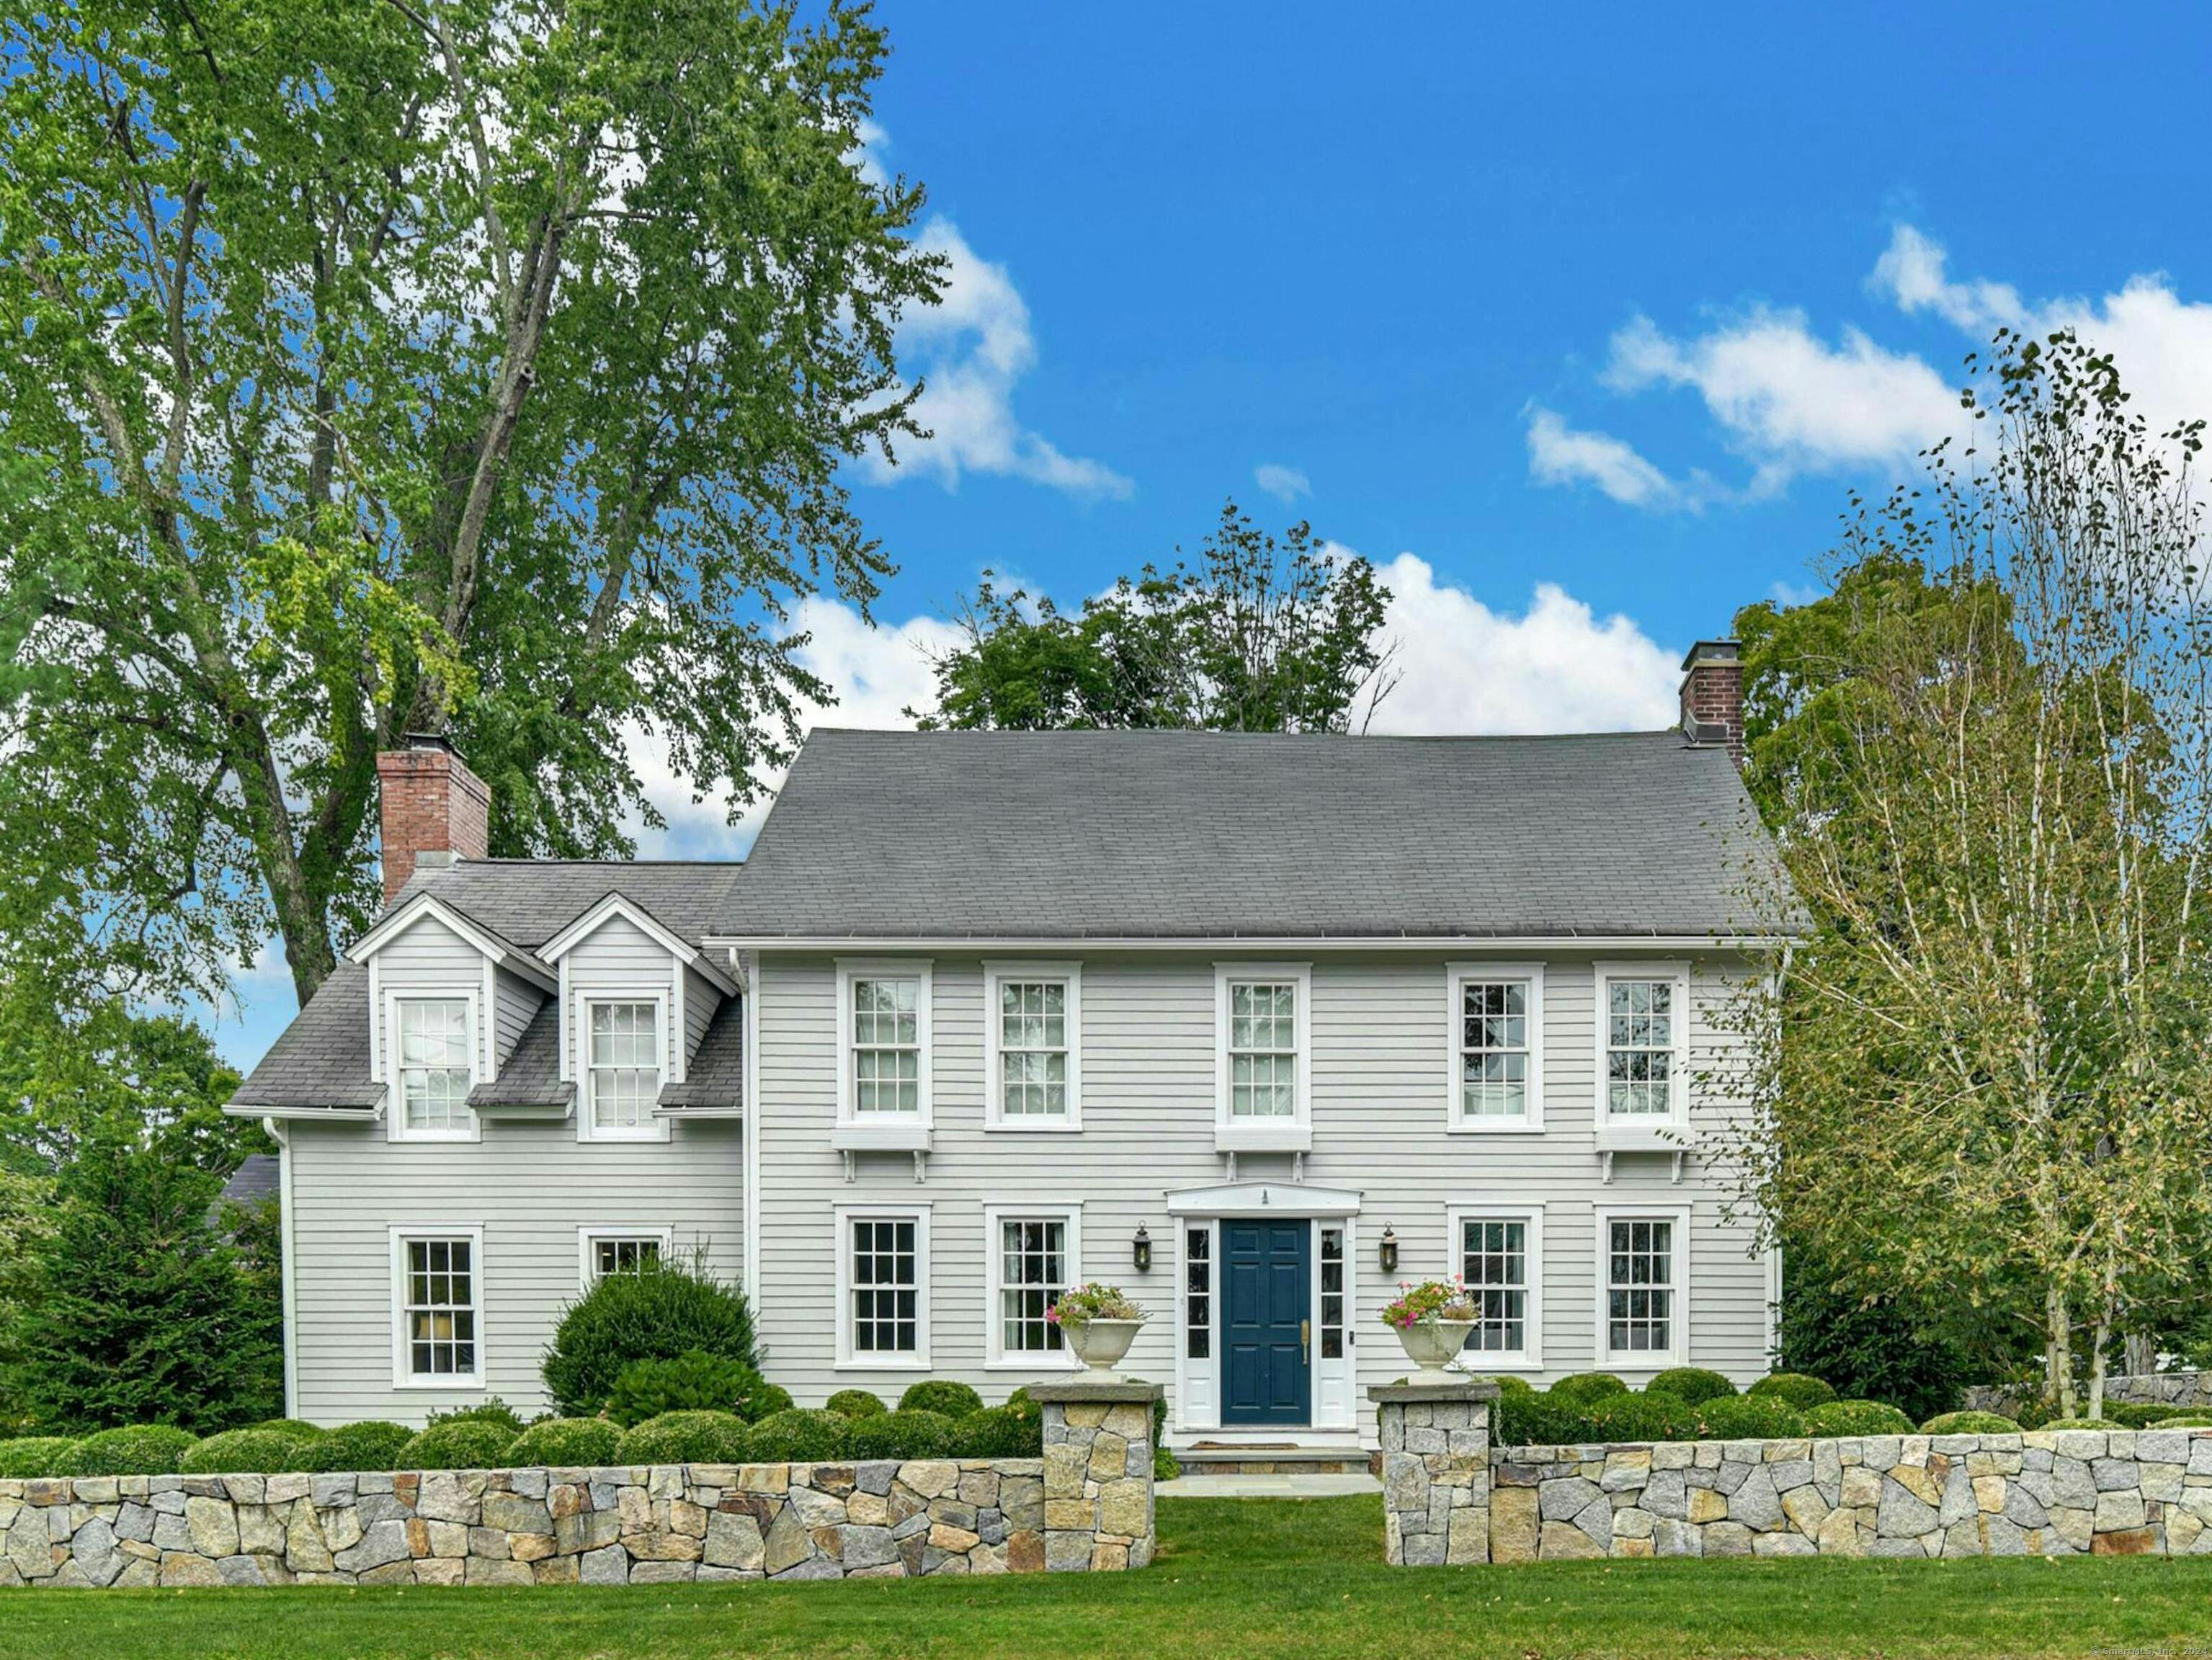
(1097, 1473)
(1435, 1472)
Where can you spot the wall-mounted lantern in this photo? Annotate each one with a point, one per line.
(1141, 1250)
(1390, 1249)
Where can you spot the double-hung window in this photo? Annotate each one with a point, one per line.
(434, 1065)
(884, 1287)
(1035, 1256)
(622, 1067)
(438, 1304)
(1643, 1015)
(1033, 1015)
(1264, 1063)
(1643, 1258)
(884, 1058)
(1499, 1250)
(1497, 1053)
(621, 1250)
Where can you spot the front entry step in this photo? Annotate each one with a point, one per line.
(1203, 1457)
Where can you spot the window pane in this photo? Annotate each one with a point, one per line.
(1640, 1285)
(439, 1318)
(1033, 1041)
(886, 1047)
(1332, 1293)
(1640, 1043)
(1198, 1293)
(1494, 1262)
(1032, 1274)
(434, 1063)
(1494, 1048)
(885, 1289)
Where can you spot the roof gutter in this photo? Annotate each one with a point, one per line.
(1217, 944)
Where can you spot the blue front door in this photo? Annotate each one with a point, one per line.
(1267, 1375)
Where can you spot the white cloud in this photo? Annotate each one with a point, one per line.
(971, 351)
(1561, 454)
(1555, 667)
(1911, 273)
(1285, 485)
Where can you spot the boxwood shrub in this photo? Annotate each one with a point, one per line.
(298, 1428)
(458, 1443)
(1631, 1417)
(1794, 1389)
(1007, 1432)
(135, 1450)
(245, 1452)
(1537, 1419)
(2136, 1414)
(686, 1437)
(570, 1443)
(665, 1311)
(2185, 1420)
(490, 1410)
(1857, 1418)
(855, 1403)
(371, 1444)
(29, 1457)
(908, 1434)
(1691, 1383)
(801, 1436)
(694, 1381)
(1749, 1417)
(1968, 1423)
(2078, 1424)
(941, 1395)
(1579, 1388)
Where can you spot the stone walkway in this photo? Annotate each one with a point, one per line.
(1267, 1486)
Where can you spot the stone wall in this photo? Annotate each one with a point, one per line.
(2184, 1391)
(2036, 1493)
(1086, 1505)
(1435, 1472)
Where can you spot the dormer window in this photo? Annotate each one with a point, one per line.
(434, 1070)
(624, 1070)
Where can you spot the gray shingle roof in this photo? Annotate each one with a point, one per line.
(320, 1059)
(257, 1178)
(715, 1076)
(531, 1075)
(1189, 836)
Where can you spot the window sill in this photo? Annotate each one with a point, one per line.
(913, 1137)
(1035, 1363)
(447, 1382)
(655, 1134)
(1043, 1126)
(1495, 1127)
(881, 1366)
(1290, 1137)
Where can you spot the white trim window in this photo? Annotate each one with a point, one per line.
(437, 1302)
(1644, 1259)
(883, 1287)
(1643, 1020)
(435, 1067)
(1033, 1015)
(623, 1067)
(1263, 1061)
(1499, 1255)
(1034, 1254)
(1496, 1077)
(883, 1061)
(603, 1252)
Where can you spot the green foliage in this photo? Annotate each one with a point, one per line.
(1537, 1418)
(1856, 1418)
(1581, 1387)
(802, 1436)
(2180, 1420)
(246, 1452)
(490, 1410)
(458, 1443)
(692, 1381)
(1020, 1404)
(371, 1444)
(1165, 1465)
(497, 377)
(1002, 1432)
(567, 1442)
(2136, 1414)
(1750, 1416)
(1969, 1423)
(1256, 636)
(1853, 1327)
(2085, 1424)
(686, 1437)
(941, 1395)
(1794, 1389)
(908, 1433)
(298, 1428)
(670, 1310)
(130, 1450)
(1509, 1384)
(855, 1403)
(31, 1456)
(1628, 1416)
(765, 1400)
(1691, 1384)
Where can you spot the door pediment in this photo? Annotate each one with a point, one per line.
(1284, 1199)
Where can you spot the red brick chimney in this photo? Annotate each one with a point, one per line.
(1712, 695)
(433, 805)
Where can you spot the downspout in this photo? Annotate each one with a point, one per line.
(281, 1133)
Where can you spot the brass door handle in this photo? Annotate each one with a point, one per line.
(1305, 1340)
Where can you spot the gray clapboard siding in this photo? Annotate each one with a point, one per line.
(519, 1002)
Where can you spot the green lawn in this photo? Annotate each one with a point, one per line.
(1249, 1577)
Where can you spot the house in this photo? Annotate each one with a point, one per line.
(1255, 1026)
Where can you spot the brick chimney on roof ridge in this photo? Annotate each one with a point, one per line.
(1712, 695)
(435, 810)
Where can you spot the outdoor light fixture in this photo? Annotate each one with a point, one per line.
(1141, 1248)
(1390, 1249)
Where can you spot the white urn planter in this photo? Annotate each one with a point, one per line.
(1432, 1345)
(1101, 1343)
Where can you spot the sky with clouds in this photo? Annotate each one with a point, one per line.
(1581, 325)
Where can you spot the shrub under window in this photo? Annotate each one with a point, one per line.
(458, 1443)
(668, 1310)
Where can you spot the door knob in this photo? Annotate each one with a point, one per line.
(1305, 1340)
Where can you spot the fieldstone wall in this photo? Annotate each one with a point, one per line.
(1086, 1505)
(2036, 1493)
(1435, 1472)
(2184, 1391)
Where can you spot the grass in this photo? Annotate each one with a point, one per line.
(1259, 1577)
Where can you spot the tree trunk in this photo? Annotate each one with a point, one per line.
(2058, 1352)
(2139, 1354)
(2099, 1343)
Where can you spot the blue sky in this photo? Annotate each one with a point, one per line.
(1582, 322)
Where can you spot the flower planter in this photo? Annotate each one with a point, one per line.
(1432, 1345)
(1100, 1343)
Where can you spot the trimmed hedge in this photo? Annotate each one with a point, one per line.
(2185, 1420)
(907, 1434)
(1007, 1431)
(941, 1395)
(245, 1452)
(1856, 1418)
(800, 1435)
(135, 1450)
(855, 1403)
(490, 1410)
(298, 1428)
(1646, 1417)
(371, 1444)
(458, 1443)
(1795, 1389)
(686, 1437)
(2085, 1424)
(1692, 1384)
(1969, 1423)
(1750, 1418)
(1582, 1387)
(655, 1316)
(694, 1381)
(31, 1456)
(567, 1442)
